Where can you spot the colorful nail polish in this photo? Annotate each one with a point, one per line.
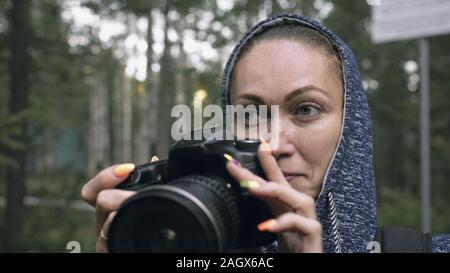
(232, 159)
(124, 169)
(247, 184)
(266, 224)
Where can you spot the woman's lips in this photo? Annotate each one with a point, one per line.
(291, 176)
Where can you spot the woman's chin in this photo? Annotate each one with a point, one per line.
(304, 185)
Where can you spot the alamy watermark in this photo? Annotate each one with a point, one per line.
(241, 122)
(74, 247)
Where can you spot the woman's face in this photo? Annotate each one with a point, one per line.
(301, 80)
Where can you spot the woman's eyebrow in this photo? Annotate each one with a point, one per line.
(288, 97)
(251, 97)
(300, 90)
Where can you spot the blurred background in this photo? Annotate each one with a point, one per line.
(88, 83)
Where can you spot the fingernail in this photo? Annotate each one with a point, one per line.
(124, 169)
(232, 159)
(266, 224)
(246, 184)
(264, 145)
(154, 158)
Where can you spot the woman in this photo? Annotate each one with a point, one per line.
(320, 182)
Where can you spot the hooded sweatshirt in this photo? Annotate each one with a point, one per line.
(346, 204)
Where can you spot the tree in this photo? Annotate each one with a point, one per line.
(19, 87)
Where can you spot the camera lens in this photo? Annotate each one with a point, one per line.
(190, 214)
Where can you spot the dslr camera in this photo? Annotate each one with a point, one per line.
(190, 203)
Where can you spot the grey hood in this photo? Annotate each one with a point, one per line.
(346, 205)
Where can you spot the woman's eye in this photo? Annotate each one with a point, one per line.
(307, 110)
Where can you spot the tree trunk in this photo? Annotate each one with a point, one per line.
(145, 104)
(98, 141)
(153, 102)
(110, 82)
(180, 87)
(166, 89)
(19, 42)
(127, 122)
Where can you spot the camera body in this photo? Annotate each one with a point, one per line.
(190, 203)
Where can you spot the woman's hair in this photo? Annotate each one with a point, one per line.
(299, 33)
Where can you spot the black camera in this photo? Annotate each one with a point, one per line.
(190, 203)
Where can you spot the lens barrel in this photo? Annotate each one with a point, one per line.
(189, 214)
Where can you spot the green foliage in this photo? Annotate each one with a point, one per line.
(400, 208)
(395, 203)
(52, 224)
(49, 229)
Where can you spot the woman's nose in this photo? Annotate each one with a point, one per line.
(282, 144)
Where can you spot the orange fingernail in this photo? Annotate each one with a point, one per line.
(266, 224)
(124, 169)
(264, 145)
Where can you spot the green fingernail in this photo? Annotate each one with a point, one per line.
(232, 159)
(247, 184)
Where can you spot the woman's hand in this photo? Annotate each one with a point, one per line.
(295, 224)
(100, 193)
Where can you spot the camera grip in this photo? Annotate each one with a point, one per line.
(145, 175)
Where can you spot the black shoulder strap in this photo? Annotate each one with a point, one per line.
(403, 240)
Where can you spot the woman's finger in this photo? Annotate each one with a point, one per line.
(241, 174)
(106, 179)
(287, 198)
(292, 222)
(269, 163)
(101, 246)
(107, 224)
(247, 179)
(109, 201)
(292, 199)
(309, 229)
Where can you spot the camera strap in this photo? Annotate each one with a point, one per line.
(403, 240)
